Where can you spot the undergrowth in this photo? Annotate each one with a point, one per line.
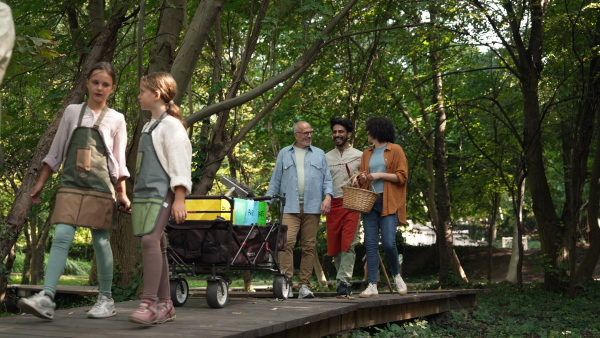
(508, 311)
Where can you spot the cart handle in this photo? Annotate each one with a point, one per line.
(265, 198)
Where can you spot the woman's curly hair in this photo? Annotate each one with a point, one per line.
(382, 129)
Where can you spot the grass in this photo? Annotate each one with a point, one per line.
(64, 280)
(509, 312)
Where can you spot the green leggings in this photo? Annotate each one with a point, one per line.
(63, 237)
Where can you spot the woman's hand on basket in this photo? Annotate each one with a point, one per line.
(363, 178)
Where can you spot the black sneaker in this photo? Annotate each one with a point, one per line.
(344, 290)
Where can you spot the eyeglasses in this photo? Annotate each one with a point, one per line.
(306, 133)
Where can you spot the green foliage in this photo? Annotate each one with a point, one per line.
(416, 328)
(509, 312)
(77, 267)
(121, 292)
(73, 267)
(449, 281)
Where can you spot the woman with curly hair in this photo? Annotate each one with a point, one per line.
(385, 166)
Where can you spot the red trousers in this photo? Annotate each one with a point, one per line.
(341, 227)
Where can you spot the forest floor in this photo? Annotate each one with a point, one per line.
(474, 261)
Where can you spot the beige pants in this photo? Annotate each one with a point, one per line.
(306, 225)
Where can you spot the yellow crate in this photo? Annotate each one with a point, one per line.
(197, 208)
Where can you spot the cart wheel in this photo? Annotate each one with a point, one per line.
(281, 287)
(216, 294)
(179, 291)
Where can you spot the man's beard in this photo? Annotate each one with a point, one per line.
(338, 139)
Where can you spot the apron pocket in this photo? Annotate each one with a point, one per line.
(83, 208)
(84, 159)
(96, 212)
(144, 215)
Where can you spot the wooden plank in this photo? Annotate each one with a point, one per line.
(27, 290)
(246, 318)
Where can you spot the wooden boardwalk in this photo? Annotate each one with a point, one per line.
(249, 317)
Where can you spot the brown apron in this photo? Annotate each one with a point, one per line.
(86, 194)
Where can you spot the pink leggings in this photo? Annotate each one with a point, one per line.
(154, 257)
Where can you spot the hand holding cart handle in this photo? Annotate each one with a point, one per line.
(122, 208)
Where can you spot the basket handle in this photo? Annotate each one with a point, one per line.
(353, 182)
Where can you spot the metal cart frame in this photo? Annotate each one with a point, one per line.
(246, 247)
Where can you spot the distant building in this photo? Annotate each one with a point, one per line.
(423, 235)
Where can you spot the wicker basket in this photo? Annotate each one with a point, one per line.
(357, 199)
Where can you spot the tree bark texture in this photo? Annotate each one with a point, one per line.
(529, 65)
(514, 273)
(163, 52)
(591, 104)
(193, 42)
(491, 232)
(96, 10)
(449, 263)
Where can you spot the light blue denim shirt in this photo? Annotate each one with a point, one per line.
(284, 180)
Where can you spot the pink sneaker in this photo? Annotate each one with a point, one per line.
(166, 312)
(145, 314)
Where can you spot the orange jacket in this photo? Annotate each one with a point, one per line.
(394, 193)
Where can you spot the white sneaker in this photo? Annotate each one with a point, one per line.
(370, 291)
(39, 305)
(305, 292)
(402, 289)
(104, 308)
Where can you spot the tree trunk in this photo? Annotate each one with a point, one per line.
(247, 276)
(163, 52)
(585, 270)
(193, 42)
(590, 103)
(514, 273)
(511, 275)
(26, 273)
(10, 259)
(576, 135)
(449, 263)
(491, 233)
(38, 252)
(96, 10)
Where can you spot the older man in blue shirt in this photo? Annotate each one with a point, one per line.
(302, 174)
